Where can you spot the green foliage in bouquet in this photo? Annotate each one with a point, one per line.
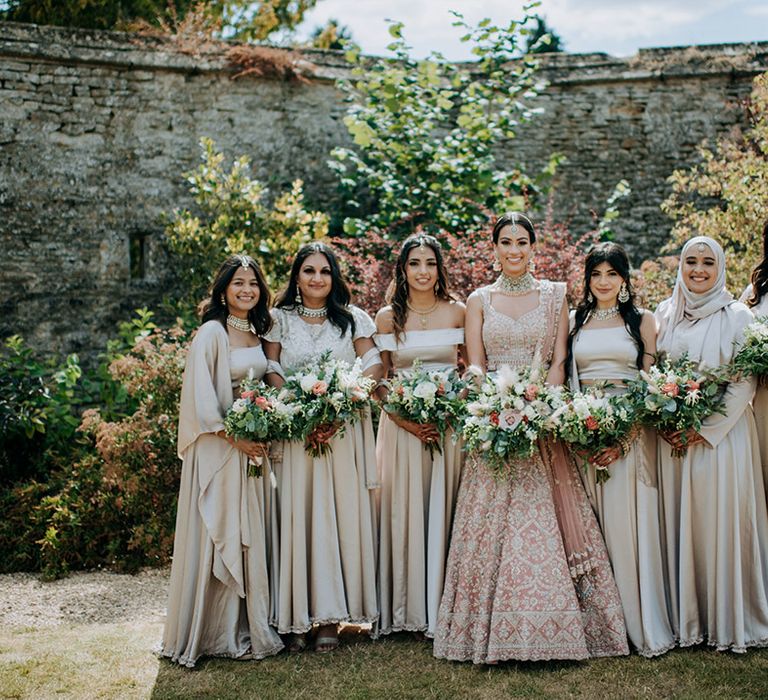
(330, 392)
(428, 396)
(677, 395)
(752, 357)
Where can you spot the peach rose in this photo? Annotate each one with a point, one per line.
(670, 389)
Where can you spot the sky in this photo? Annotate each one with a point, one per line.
(615, 27)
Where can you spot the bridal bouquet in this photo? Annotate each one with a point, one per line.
(331, 393)
(752, 357)
(428, 396)
(676, 396)
(261, 413)
(592, 420)
(508, 414)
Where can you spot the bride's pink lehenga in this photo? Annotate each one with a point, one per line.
(510, 591)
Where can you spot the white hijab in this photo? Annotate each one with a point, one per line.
(688, 305)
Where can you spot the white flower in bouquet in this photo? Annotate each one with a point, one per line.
(426, 390)
(240, 406)
(307, 382)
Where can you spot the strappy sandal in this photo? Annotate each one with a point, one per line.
(325, 642)
(296, 643)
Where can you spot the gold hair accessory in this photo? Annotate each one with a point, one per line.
(244, 261)
(422, 243)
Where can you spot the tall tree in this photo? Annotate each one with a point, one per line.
(542, 39)
(240, 19)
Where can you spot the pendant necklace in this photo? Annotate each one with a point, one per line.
(423, 314)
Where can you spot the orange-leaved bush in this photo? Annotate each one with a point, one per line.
(117, 505)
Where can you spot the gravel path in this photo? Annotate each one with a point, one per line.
(82, 598)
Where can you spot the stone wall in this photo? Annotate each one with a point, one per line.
(96, 128)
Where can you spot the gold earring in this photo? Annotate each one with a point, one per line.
(223, 300)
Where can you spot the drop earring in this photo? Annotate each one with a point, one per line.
(590, 297)
(623, 293)
(297, 300)
(531, 266)
(223, 301)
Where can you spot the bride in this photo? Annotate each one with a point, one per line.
(527, 577)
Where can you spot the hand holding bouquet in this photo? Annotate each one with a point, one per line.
(331, 394)
(592, 421)
(675, 397)
(752, 357)
(260, 414)
(508, 414)
(430, 398)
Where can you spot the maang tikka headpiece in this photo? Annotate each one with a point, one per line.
(244, 261)
(513, 222)
(422, 243)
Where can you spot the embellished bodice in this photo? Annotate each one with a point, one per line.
(436, 348)
(605, 354)
(303, 342)
(241, 360)
(523, 341)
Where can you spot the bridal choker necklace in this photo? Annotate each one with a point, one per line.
(604, 314)
(515, 285)
(240, 324)
(311, 313)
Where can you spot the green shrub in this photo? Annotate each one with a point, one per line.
(426, 133)
(108, 494)
(233, 218)
(725, 195)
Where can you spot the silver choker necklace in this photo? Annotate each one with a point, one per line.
(604, 314)
(240, 324)
(516, 286)
(311, 313)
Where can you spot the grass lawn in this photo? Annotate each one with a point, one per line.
(114, 661)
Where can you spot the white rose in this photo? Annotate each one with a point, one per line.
(240, 406)
(425, 390)
(307, 382)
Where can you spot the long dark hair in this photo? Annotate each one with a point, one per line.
(513, 218)
(213, 309)
(760, 274)
(397, 293)
(616, 257)
(339, 297)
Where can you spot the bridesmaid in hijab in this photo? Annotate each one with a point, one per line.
(713, 500)
(755, 296)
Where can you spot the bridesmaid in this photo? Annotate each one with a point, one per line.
(528, 577)
(713, 499)
(218, 604)
(611, 341)
(418, 489)
(755, 296)
(327, 519)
